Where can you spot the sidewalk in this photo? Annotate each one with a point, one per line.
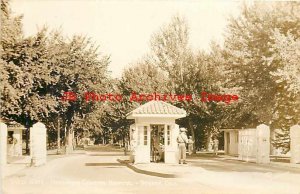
(183, 170)
(16, 164)
(272, 163)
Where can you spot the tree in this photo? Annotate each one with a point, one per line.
(255, 53)
(142, 78)
(191, 73)
(39, 69)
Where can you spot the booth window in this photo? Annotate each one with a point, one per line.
(168, 135)
(145, 135)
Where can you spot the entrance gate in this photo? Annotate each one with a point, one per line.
(38, 149)
(254, 144)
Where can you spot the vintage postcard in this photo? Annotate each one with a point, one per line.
(149, 97)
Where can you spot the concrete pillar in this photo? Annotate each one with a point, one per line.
(3, 148)
(225, 143)
(38, 146)
(263, 144)
(171, 149)
(175, 134)
(272, 138)
(295, 144)
(133, 142)
(241, 148)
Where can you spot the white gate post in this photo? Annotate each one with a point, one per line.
(263, 144)
(295, 144)
(3, 148)
(3, 152)
(241, 146)
(38, 150)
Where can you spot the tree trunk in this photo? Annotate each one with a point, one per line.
(65, 140)
(70, 140)
(208, 147)
(58, 136)
(111, 139)
(27, 141)
(103, 139)
(193, 135)
(123, 137)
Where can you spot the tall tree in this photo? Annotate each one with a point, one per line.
(255, 52)
(39, 69)
(191, 73)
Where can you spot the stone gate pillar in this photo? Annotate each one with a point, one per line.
(38, 146)
(263, 144)
(3, 148)
(70, 142)
(241, 145)
(295, 144)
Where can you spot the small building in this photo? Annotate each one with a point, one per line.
(15, 141)
(250, 144)
(154, 133)
(231, 141)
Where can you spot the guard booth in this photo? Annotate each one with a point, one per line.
(15, 139)
(231, 141)
(154, 133)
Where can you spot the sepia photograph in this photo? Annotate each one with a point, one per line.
(149, 97)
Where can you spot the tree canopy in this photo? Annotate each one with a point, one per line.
(258, 62)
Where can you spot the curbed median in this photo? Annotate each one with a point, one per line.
(146, 172)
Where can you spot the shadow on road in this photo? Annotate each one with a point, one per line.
(219, 164)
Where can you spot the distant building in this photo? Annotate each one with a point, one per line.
(231, 141)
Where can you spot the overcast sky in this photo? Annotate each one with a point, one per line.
(123, 28)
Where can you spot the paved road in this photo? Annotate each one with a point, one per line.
(89, 174)
(101, 173)
(241, 177)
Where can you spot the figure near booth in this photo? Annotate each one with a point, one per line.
(182, 140)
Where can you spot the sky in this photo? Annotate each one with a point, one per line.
(123, 29)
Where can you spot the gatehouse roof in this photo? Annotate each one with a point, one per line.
(157, 108)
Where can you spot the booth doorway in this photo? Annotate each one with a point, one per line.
(157, 145)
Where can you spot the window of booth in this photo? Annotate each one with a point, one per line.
(145, 135)
(168, 135)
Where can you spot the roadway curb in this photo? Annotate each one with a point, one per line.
(146, 172)
(270, 164)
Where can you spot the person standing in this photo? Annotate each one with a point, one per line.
(190, 145)
(15, 147)
(216, 145)
(182, 140)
